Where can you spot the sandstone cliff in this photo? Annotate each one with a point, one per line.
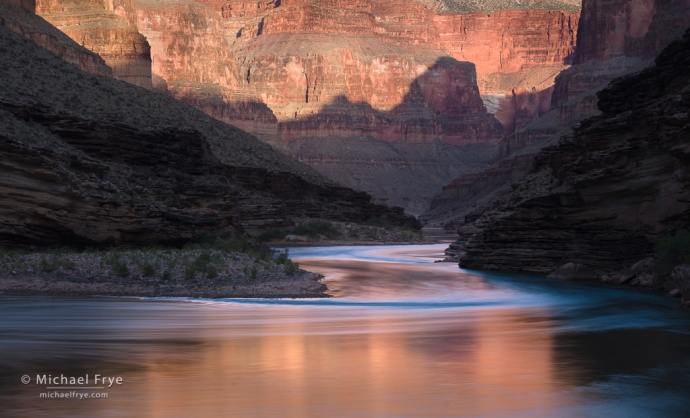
(617, 38)
(605, 194)
(95, 25)
(88, 160)
(312, 70)
(32, 27)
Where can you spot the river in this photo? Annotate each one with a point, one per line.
(402, 336)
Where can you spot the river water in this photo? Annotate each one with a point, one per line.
(401, 337)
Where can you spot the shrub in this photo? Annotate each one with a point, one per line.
(166, 275)
(253, 273)
(190, 272)
(46, 265)
(148, 269)
(282, 257)
(291, 268)
(121, 269)
(212, 272)
(672, 250)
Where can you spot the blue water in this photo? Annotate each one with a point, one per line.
(401, 336)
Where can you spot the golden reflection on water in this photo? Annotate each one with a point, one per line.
(257, 360)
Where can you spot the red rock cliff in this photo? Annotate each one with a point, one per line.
(33, 27)
(94, 24)
(617, 37)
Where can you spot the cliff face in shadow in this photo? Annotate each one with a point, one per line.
(88, 160)
(605, 194)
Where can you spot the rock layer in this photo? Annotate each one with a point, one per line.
(36, 29)
(306, 69)
(95, 25)
(612, 43)
(605, 194)
(28, 5)
(87, 160)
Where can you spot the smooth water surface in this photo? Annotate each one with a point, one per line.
(401, 337)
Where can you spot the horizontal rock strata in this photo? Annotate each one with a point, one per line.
(605, 194)
(87, 160)
(95, 25)
(36, 29)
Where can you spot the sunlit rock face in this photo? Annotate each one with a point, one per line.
(401, 72)
(24, 22)
(518, 54)
(615, 38)
(95, 25)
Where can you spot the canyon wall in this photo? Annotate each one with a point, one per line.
(295, 70)
(325, 72)
(91, 161)
(604, 195)
(95, 25)
(616, 38)
(29, 5)
(30, 26)
(518, 54)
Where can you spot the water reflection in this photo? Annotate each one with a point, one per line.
(403, 336)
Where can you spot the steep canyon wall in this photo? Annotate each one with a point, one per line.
(95, 25)
(616, 38)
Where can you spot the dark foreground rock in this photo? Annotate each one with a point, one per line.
(605, 195)
(86, 160)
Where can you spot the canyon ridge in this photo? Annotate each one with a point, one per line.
(395, 98)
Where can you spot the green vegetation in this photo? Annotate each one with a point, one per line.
(211, 258)
(672, 250)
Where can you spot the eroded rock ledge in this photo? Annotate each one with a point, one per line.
(607, 193)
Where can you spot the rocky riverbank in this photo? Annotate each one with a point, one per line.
(215, 269)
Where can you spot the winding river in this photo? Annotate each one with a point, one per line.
(402, 336)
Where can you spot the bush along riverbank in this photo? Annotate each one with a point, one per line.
(212, 268)
(668, 271)
(319, 232)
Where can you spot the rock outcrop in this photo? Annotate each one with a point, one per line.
(605, 194)
(616, 38)
(28, 5)
(313, 70)
(95, 25)
(32, 27)
(518, 54)
(88, 160)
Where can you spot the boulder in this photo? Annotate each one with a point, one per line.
(636, 269)
(680, 276)
(573, 271)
